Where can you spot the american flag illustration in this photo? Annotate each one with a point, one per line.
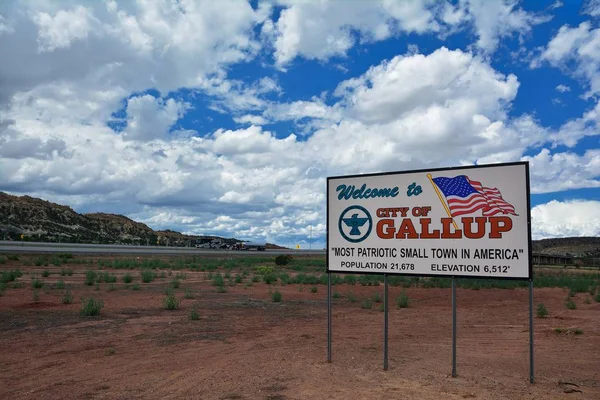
(465, 196)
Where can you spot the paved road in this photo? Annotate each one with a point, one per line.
(38, 247)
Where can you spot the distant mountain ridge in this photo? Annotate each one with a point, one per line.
(41, 220)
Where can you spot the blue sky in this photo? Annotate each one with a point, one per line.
(226, 117)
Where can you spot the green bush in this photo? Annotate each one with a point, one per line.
(2, 260)
(270, 278)
(238, 278)
(10, 276)
(171, 302)
(67, 297)
(283, 259)
(91, 307)
(256, 278)
(277, 296)
(46, 273)
(37, 284)
(571, 304)
(60, 284)
(218, 280)
(175, 283)
(366, 304)
(136, 286)
(147, 276)
(127, 278)
(402, 301)
(90, 277)
(351, 297)
(313, 289)
(13, 257)
(542, 311)
(188, 294)
(597, 297)
(337, 295)
(194, 315)
(377, 298)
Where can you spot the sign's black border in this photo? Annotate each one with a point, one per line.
(527, 184)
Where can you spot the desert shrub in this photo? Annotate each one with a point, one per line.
(218, 280)
(2, 288)
(175, 283)
(91, 307)
(13, 257)
(194, 315)
(67, 297)
(127, 278)
(147, 276)
(402, 301)
(277, 297)
(90, 277)
(571, 304)
(350, 279)
(37, 283)
(108, 278)
(541, 311)
(10, 276)
(269, 278)
(313, 289)
(377, 298)
(60, 284)
(136, 286)
(221, 289)
(351, 297)
(238, 278)
(337, 295)
(188, 294)
(264, 269)
(171, 302)
(283, 259)
(382, 307)
(111, 287)
(46, 273)
(597, 297)
(2, 260)
(366, 304)
(256, 278)
(36, 296)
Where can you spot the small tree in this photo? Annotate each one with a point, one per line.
(283, 259)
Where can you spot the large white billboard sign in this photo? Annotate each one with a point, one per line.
(467, 222)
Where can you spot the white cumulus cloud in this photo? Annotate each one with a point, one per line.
(566, 218)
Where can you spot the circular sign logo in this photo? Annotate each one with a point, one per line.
(355, 224)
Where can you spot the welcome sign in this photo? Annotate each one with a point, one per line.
(466, 221)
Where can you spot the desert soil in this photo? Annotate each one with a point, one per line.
(244, 346)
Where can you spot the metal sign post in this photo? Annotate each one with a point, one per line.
(329, 317)
(385, 323)
(531, 378)
(453, 327)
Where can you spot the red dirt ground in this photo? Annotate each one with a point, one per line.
(246, 347)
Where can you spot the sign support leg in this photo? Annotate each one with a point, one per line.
(531, 376)
(328, 317)
(385, 322)
(453, 327)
